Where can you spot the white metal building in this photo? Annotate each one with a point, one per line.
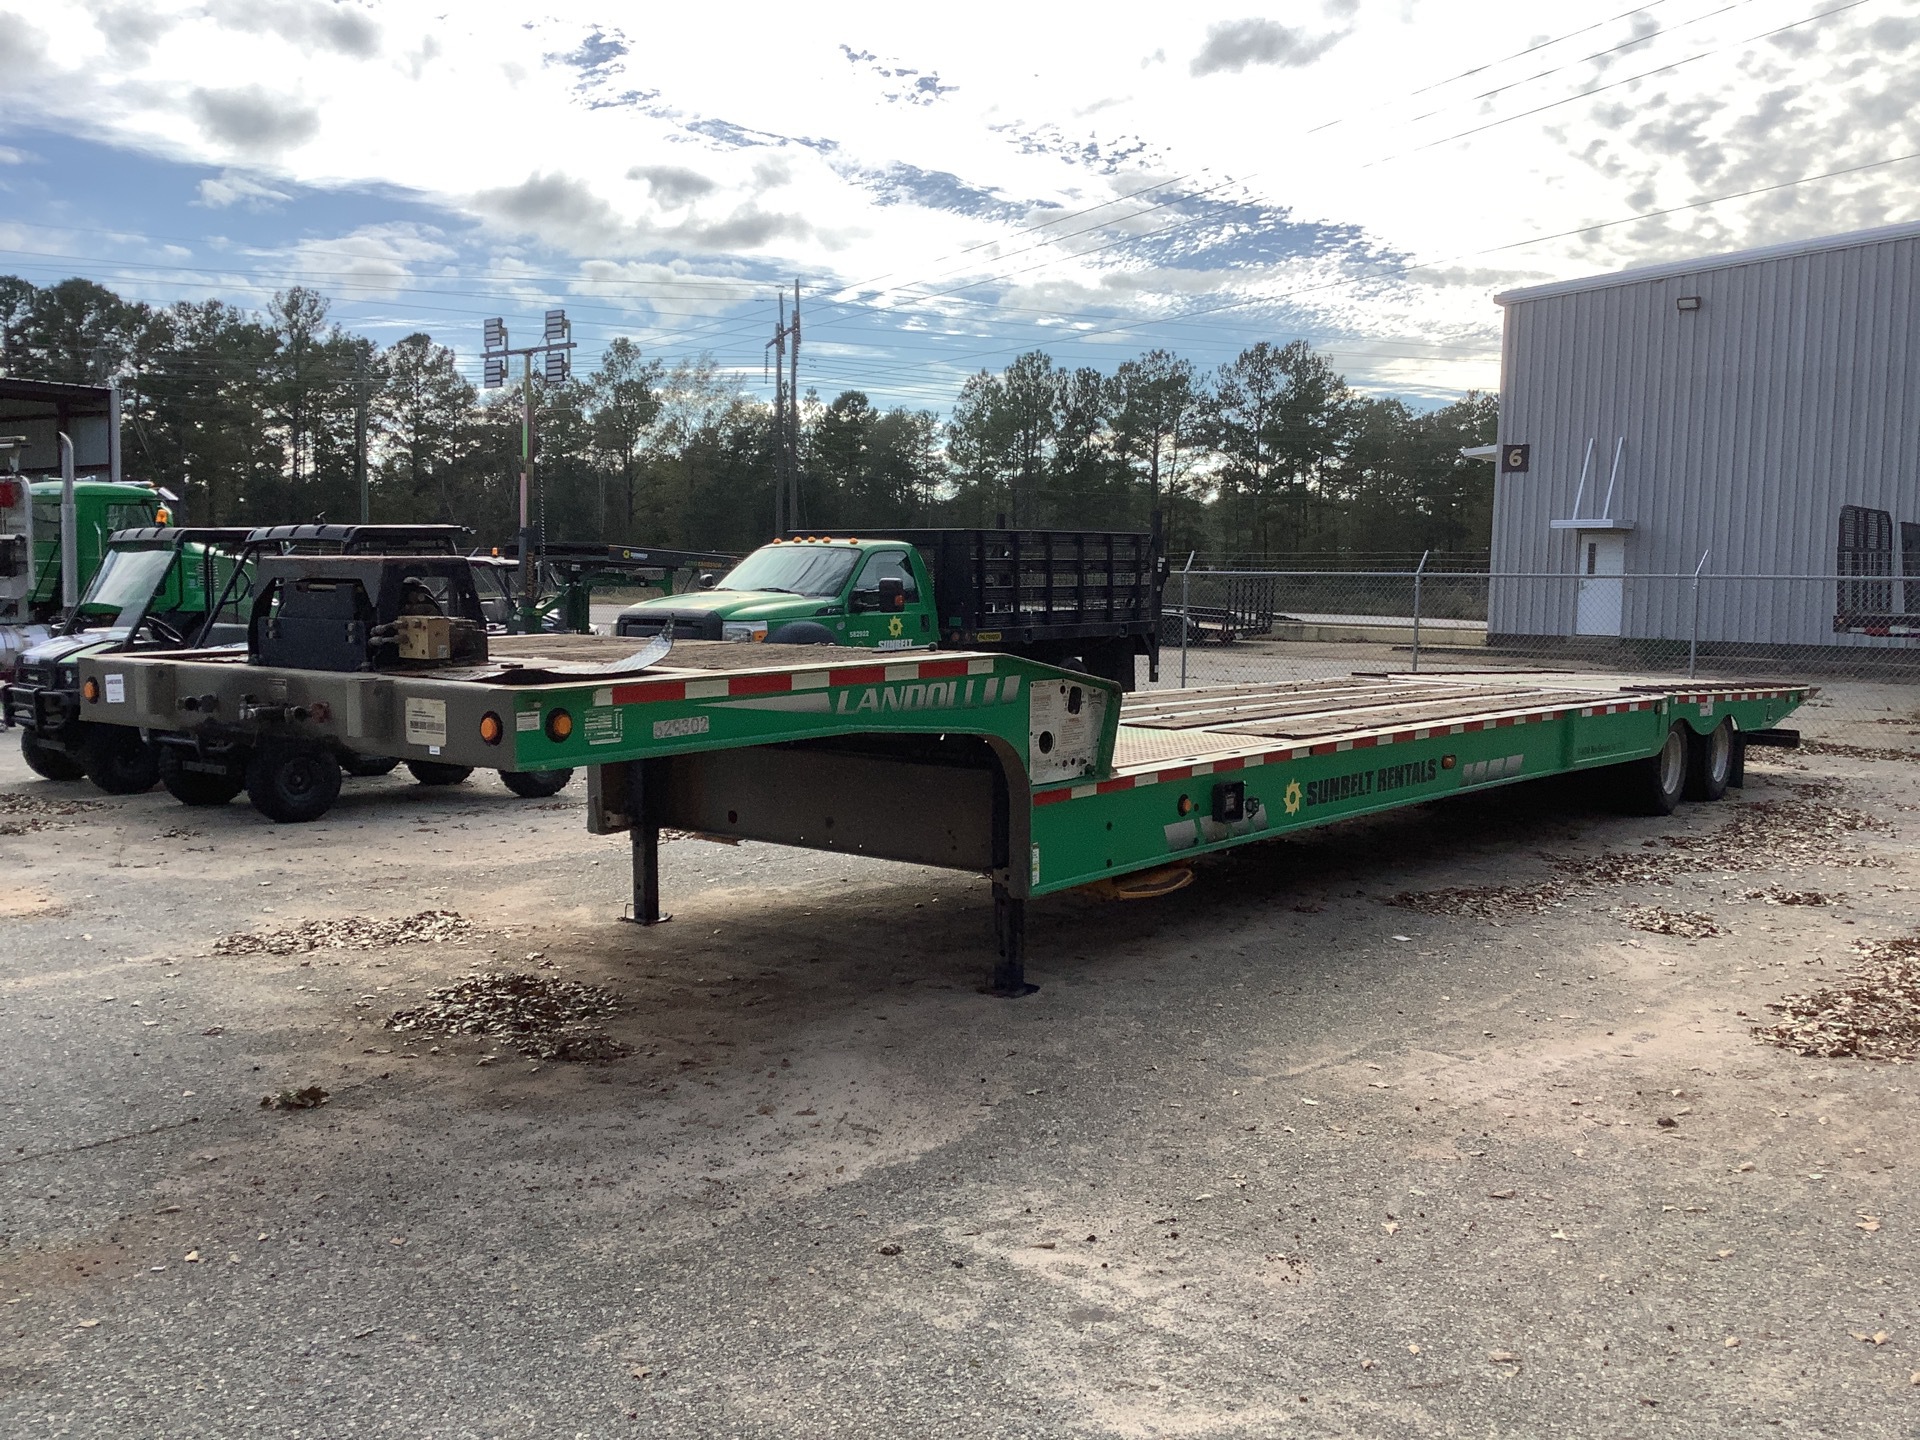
(1754, 414)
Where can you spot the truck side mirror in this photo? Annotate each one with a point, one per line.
(708, 580)
(893, 593)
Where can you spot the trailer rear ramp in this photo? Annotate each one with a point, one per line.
(1040, 778)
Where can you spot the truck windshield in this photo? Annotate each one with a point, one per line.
(815, 570)
(126, 583)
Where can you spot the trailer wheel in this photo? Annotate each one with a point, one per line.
(1654, 786)
(198, 787)
(535, 784)
(119, 760)
(1710, 762)
(367, 767)
(48, 763)
(290, 782)
(433, 772)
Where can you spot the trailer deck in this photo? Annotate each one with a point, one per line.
(1042, 778)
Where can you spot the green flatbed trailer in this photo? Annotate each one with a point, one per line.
(1040, 778)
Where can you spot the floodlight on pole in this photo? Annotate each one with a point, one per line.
(496, 333)
(493, 371)
(557, 327)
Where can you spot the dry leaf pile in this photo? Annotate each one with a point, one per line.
(23, 814)
(309, 1098)
(1776, 895)
(1657, 920)
(352, 932)
(544, 1018)
(1871, 1011)
(1485, 902)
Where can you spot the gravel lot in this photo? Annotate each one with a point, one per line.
(1418, 1126)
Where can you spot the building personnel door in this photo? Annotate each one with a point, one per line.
(1600, 591)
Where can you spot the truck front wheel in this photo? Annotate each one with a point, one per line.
(290, 782)
(535, 784)
(48, 763)
(197, 787)
(119, 760)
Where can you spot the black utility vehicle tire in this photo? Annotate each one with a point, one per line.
(366, 767)
(119, 760)
(802, 632)
(291, 783)
(1655, 785)
(48, 763)
(1709, 762)
(198, 787)
(432, 772)
(535, 784)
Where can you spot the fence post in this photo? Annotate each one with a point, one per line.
(1693, 645)
(1186, 602)
(1418, 572)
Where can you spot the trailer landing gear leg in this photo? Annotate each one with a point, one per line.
(645, 835)
(1010, 941)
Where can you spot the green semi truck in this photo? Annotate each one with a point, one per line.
(1085, 600)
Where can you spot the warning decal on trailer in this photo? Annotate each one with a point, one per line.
(426, 721)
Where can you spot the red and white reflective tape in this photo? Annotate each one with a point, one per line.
(781, 682)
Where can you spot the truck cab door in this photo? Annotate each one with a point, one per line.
(890, 607)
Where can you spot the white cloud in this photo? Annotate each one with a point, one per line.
(708, 150)
(232, 188)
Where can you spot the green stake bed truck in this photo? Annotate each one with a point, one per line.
(1039, 778)
(1085, 600)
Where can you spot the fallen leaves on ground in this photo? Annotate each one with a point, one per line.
(1658, 920)
(1776, 895)
(1856, 752)
(545, 1018)
(1804, 828)
(351, 932)
(307, 1099)
(1871, 1010)
(1485, 902)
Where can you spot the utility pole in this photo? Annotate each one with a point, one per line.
(361, 384)
(793, 428)
(556, 349)
(785, 346)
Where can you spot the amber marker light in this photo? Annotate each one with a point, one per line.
(491, 730)
(91, 690)
(559, 725)
(1185, 807)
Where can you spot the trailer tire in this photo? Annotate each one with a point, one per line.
(48, 763)
(291, 783)
(1655, 785)
(434, 772)
(1710, 762)
(119, 760)
(368, 767)
(535, 784)
(198, 787)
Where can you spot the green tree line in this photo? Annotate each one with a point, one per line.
(259, 417)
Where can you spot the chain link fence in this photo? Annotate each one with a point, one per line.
(1856, 637)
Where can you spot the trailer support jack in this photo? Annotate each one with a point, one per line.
(644, 808)
(1010, 944)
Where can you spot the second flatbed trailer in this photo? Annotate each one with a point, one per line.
(1039, 778)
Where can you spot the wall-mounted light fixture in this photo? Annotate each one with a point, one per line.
(1687, 302)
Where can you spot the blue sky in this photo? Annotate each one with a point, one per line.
(950, 187)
